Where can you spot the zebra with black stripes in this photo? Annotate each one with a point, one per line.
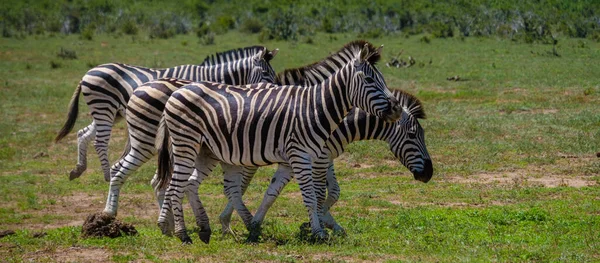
(145, 108)
(107, 88)
(405, 137)
(261, 124)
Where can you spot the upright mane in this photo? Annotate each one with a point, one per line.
(235, 54)
(329, 65)
(410, 103)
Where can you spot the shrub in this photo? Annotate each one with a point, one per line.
(371, 33)
(162, 30)
(88, 33)
(129, 27)
(202, 29)
(67, 54)
(208, 39)
(252, 26)
(223, 24)
(282, 25)
(54, 64)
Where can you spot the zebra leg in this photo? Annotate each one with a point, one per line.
(160, 198)
(333, 194)
(204, 166)
(232, 184)
(104, 128)
(282, 177)
(183, 165)
(302, 167)
(127, 165)
(84, 136)
(225, 217)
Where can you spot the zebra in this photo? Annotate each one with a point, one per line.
(145, 109)
(405, 137)
(107, 88)
(261, 124)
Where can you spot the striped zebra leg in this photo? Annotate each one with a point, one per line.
(84, 136)
(302, 167)
(225, 217)
(333, 194)
(104, 123)
(204, 166)
(182, 169)
(282, 177)
(233, 190)
(128, 164)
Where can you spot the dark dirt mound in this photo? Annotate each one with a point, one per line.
(103, 225)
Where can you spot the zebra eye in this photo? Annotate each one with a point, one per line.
(412, 135)
(369, 80)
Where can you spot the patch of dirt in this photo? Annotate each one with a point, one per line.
(448, 204)
(522, 178)
(103, 225)
(74, 208)
(72, 254)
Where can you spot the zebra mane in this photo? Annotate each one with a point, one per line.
(235, 54)
(410, 103)
(330, 64)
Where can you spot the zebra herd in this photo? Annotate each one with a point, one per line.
(234, 110)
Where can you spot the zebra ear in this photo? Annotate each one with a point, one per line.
(271, 54)
(260, 55)
(379, 50)
(364, 53)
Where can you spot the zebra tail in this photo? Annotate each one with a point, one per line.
(71, 116)
(165, 163)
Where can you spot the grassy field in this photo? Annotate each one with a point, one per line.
(513, 143)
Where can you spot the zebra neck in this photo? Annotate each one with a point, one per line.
(358, 125)
(320, 109)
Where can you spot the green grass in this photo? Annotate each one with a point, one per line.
(520, 116)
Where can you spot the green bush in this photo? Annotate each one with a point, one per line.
(88, 33)
(129, 27)
(202, 30)
(252, 26)
(372, 33)
(282, 25)
(208, 39)
(223, 24)
(162, 30)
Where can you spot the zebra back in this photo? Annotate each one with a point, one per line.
(317, 72)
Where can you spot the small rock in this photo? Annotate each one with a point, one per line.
(598, 154)
(40, 154)
(39, 234)
(6, 233)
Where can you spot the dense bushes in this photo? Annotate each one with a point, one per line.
(530, 21)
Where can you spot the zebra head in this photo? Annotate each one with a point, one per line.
(407, 139)
(261, 70)
(368, 90)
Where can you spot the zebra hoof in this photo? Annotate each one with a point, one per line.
(320, 236)
(185, 239)
(165, 229)
(205, 236)
(77, 172)
(339, 231)
(255, 230)
(107, 176)
(225, 224)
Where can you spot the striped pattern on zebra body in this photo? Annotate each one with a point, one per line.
(107, 88)
(405, 137)
(145, 111)
(260, 124)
